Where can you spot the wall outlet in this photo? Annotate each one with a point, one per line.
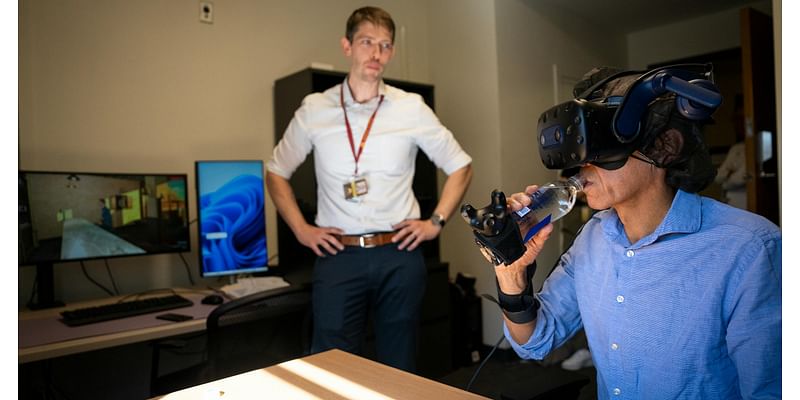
(476, 356)
(207, 12)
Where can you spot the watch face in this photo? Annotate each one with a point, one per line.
(437, 219)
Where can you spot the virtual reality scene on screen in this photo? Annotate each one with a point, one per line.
(82, 216)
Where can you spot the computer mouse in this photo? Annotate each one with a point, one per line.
(212, 299)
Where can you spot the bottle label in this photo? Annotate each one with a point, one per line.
(536, 228)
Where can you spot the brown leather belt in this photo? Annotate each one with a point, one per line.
(367, 240)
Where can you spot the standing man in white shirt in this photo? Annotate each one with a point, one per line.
(365, 136)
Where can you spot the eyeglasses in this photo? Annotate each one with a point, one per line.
(369, 43)
(642, 157)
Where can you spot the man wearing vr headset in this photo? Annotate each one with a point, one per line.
(679, 294)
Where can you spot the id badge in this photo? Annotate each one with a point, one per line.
(355, 188)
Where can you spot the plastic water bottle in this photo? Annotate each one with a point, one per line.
(551, 202)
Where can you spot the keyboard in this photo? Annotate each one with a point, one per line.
(89, 315)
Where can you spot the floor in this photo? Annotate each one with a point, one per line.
(505, 376)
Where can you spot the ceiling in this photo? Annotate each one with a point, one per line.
(625, 16)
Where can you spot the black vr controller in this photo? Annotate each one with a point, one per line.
(496, 232)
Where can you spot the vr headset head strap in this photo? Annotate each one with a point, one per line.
(587, 93)
(696, 96)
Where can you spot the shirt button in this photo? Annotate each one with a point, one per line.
(614, 346)
(620, 298)
(629, 253)
(616, 391)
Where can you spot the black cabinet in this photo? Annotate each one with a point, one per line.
(296, 260)
(434, 356)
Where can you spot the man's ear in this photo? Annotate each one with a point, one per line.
(671, 145)
(347, 48)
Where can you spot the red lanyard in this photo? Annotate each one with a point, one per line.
(350, 131)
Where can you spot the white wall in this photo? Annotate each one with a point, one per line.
(143, 86)
(464, 69)
(692, 37)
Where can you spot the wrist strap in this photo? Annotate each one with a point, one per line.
(520, 308)
(526, 315)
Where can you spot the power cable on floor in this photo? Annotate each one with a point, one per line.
(477, 371)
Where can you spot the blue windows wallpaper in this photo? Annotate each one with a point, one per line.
(232, 228)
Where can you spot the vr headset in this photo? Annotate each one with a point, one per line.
(604, 129)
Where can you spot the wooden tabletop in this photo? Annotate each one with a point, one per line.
(331, 375)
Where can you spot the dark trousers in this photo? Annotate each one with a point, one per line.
(387, 282)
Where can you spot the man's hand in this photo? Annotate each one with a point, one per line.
(517, 201)
(512, 278)
(412, 232)
(316, 239)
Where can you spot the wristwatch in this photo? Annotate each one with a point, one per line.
(438, 219)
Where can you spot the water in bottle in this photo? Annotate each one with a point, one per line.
(551, 202)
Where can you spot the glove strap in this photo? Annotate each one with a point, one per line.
(520, 308)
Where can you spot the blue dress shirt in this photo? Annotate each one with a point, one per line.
(691, 311)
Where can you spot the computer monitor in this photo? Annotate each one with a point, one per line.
(77, 216)
(231, 219)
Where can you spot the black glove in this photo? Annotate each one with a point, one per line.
(495, 231)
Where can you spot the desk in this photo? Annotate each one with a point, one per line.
(333, 374)
(66, 340)
(42, 335)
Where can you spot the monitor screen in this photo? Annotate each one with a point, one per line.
(75, 216)
(231, 218)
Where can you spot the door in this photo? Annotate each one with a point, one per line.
(758, 86)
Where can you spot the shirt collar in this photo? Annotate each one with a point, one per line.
(684, 216)
(348, 96)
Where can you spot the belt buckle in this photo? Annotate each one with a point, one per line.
(363, 244)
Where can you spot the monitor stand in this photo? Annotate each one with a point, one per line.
(45, 289)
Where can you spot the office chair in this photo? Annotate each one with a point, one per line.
(247, 333)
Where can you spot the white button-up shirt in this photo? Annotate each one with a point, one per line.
(403, 124)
